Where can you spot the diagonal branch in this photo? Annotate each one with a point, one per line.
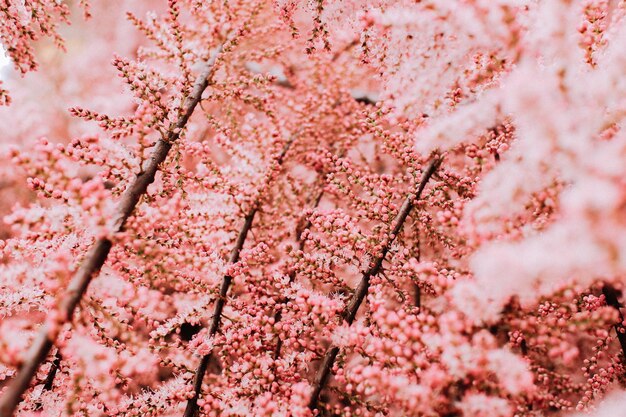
(611, 294)
(96, 257)
(304, 224)
(417, 294)
(56, 364)
(359, 294)
(192, 403)
(49, 381)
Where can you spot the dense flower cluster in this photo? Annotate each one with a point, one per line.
(26, 21)
(331, 208)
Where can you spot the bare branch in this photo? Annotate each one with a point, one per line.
(192, 403)
(611, 294)
(359, 294)
(417, 296)
(56, 363)
(417, 291)
(96, 257)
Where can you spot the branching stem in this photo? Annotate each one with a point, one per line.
(359, 294)
(192, 404)
(99, 252)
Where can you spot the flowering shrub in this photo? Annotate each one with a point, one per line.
(296, 208)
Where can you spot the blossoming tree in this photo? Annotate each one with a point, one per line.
(313, 208)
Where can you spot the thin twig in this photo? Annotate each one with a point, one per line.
(192, 403)
(610, 294)
(417, 296)
(359, 294)
(49, 381)
(56, 363)
(93, 262)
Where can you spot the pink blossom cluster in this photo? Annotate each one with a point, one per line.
(315, 208)
(27, 21)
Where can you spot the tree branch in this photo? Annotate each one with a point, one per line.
(359, 294)
(56, 363)
(417, 294)
(49, 381)
(192, 403)
(611, 294)
(96, 257)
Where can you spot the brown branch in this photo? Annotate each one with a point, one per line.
(292, 275)
(611, 294)
(56, 363)
(94, 260)
(417, 295)
(192, 403)
(359, 294)
(49, 381)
